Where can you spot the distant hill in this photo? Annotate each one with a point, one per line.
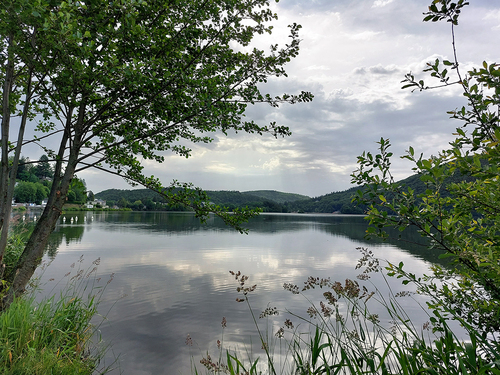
(341, 201)
(268, 200)
(276, 196)
(336, 202)
(233, 198)
(130, 195)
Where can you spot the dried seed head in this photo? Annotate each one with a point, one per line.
(312, 312)
(327, 311)
(269, 312)
(291, 288)
(330, 298)
(280, 333)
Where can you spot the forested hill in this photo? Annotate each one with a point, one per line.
(268, 200)
(276, 196)
(340, 202)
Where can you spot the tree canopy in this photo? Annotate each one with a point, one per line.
(113, 83)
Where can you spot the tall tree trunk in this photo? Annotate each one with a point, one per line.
(7, 209)
(4, 163)
(5, 203)
(33, 252)
(34, 249)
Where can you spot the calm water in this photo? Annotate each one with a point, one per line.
(171, 276)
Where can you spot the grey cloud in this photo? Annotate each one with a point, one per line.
(396, 17)
(361, 14)
(315, 5)
(424, 118)
(378, 69)
(338, 125)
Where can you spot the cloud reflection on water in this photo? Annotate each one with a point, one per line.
(174, 274)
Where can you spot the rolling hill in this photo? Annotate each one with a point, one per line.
(268, 200)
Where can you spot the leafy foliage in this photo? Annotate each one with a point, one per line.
(18, 236)
(43, 169)
(77, 191)
(34, 180)
(30, 192)
(114, 84)
(461, 218)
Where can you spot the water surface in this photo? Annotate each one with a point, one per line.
(171, 276)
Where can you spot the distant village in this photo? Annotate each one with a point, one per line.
(96, 203)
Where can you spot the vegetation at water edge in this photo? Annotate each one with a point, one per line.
(55, 335)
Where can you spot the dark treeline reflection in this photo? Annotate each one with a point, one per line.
(72, 226)
(67, 234)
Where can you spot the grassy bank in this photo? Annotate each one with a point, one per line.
(55, 335)
(48, 337)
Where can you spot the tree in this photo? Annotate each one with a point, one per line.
(462, 219)
(23, 169)
(123, 203)
(122, 81)
(43, 169)
(137, 205)
(30, 192)
(149, 204)
(25, 192)
(77, 192)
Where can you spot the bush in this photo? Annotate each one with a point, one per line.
(16, 241)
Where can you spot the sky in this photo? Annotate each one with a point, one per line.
(354, 54)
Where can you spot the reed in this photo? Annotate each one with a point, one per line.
(339, 335)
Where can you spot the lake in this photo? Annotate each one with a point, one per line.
(171, 277)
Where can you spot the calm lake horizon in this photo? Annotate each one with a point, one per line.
(171, 277)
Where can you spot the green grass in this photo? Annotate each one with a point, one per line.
(46, 338)
(54, 336)
(18, 236)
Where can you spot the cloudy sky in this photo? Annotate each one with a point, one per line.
(354, 54)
